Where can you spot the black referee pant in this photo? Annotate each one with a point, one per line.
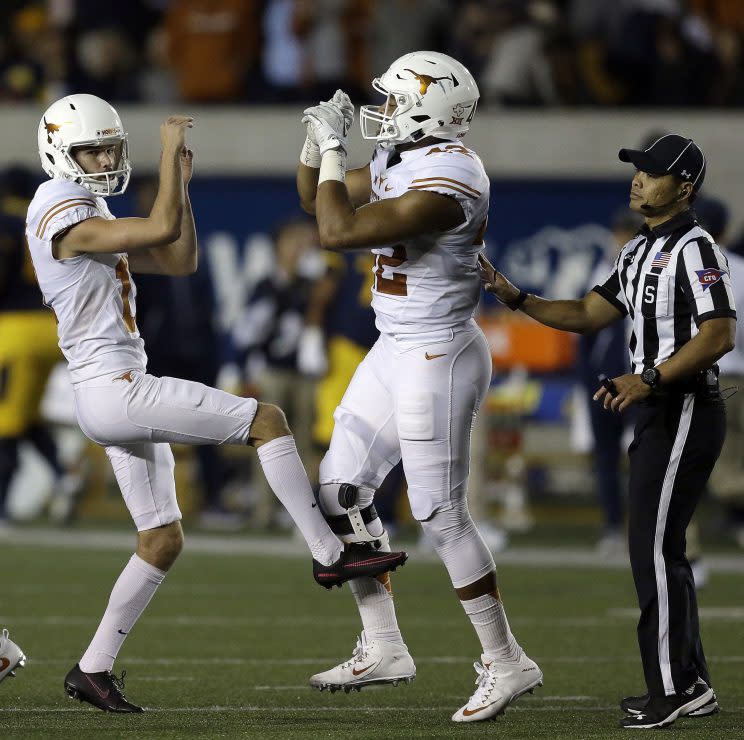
(678, 437)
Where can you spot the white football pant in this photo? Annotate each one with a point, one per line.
(412, 397)
(135, 415)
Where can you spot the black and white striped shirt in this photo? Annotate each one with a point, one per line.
(669, 280)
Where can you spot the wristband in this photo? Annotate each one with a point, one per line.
(333, 166)
(518, 301)
(310, 154)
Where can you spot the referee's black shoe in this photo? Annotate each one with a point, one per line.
(636, 704)
(661, 711)
(357, 559)
(103, 690)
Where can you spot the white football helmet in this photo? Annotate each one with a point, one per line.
(434, 95)
(83, 120)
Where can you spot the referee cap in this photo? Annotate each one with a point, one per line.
(670, 155)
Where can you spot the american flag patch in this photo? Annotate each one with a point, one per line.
(661, 260)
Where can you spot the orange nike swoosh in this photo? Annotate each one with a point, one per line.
(4, 663)
(364, 670)
(433, 357)
(471, 712)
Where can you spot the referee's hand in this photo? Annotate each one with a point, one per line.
(629, 389)
(494, 282)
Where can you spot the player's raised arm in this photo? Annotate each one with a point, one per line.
(164, 224)
(344, 225)
(181, 256)
(341, 111)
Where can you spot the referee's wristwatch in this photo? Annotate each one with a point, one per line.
(651, 377)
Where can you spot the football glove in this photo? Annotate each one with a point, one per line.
(343, 101)
(327, 126)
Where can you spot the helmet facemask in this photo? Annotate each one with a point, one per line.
(113, 182)
(381, 125)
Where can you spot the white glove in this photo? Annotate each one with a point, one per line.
(311, 354)
(343, 101)
(327, 125)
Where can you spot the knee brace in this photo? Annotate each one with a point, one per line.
(351, 515)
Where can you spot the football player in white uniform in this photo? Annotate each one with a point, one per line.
(421, 205)
(82, 256)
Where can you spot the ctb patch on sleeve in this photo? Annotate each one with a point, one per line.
(709, 277)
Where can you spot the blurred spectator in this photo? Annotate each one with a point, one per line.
(683, 65)
(157, 83)
(518, 71)
(106, 64)
(397, 27)
(341, 304)
(606, 353)
(725, 21)
(28, 349)
(522, 52)
(176, 319)
(213, 47)
(282, 53)
(334, 49)
(268, 335)
(108, 41)
(22, 73)
(473, 34)
(727, 479)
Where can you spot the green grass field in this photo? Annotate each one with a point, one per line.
(228, 643)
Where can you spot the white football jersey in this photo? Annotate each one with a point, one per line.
(92, 295)
(430, 281)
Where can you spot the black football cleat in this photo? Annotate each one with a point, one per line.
(660, 711)
(636, 704)
(357, 560)
(102, 690)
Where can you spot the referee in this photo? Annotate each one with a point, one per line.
(673, 282)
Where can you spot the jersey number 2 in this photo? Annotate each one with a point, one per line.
(122, 274)
(397, 284)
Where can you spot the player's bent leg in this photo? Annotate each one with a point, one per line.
(380, 656)
(268, 424)
(504, 672)
(333, 564)
(161, 546)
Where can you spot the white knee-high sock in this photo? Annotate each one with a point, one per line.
(374, 599)
(288, 480)
(489, 620)
(375, 603)
(131, 594)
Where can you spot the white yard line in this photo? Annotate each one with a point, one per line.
(722, 614)
(288, 547)
(356, 709)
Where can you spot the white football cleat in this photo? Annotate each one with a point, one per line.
(11, 656)
(499, 684)
(373, 662)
